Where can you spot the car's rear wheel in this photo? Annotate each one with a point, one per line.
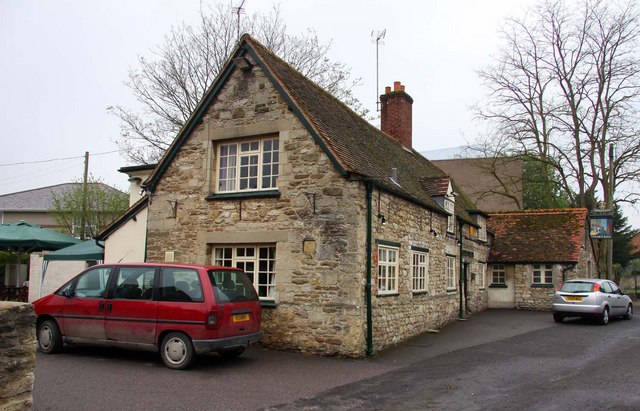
(232, 353)
(49, 337)
(604, 317)
(557, 317)
(177, 351)
(629, 314)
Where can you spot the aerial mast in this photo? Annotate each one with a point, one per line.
(238, 11)
(378, 37)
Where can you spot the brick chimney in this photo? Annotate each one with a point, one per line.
(395, 113)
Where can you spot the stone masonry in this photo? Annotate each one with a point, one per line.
(17, 355)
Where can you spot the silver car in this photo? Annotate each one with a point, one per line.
(591, 298)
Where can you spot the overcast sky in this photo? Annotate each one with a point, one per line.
(63, 62)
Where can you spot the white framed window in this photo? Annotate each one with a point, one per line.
(498, 274)
(248, 165)
(387, 269)
(482, 275)
(451, 220)
(420, 270)
(482, 229)
(451, 272)
(259, 262)
(543, 273)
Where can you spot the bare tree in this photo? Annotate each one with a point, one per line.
(169, 86)
(564, 86)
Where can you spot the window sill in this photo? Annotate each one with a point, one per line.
(244, 194)
(498, 286)
(388, 295)
(268, 304)
(452, 290)
(418, 293)
(541, 285)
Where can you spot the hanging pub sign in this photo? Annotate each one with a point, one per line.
(600, 226)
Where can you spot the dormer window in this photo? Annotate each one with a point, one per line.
(247, 165)
(451, 219)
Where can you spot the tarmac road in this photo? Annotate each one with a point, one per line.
(498, 359)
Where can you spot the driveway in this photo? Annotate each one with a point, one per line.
(104, 379)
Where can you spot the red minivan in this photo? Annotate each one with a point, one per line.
(180, 310)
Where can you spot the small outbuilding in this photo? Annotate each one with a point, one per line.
(533, 251)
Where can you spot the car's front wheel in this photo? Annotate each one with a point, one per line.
(604, 317)
(177, 351)
(49, 337)
(629, 314)
(557, 317)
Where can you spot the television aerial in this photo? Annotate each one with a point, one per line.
(377, 36)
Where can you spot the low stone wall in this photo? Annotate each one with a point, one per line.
(17, 355)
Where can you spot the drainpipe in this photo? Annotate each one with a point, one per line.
(367, 289)
(461, 279)
(565, 269)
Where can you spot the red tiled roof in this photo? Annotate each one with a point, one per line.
(436, 186)
(537, 236)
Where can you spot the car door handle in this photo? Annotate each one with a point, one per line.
(108, 307)
(101, 307)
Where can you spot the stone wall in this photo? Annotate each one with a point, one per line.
(317, 221)
(529, 297)
(17, 355)
(406, 314)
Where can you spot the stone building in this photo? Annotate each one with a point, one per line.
(354, 241)
(533, 251)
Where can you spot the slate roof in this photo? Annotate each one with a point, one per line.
(356, 148)
(39, 199)
(537, 236)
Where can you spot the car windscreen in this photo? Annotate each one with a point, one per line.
(577, 287)
(232, 286)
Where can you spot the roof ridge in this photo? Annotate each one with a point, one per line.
(540, 211)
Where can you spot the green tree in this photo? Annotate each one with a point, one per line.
(83, 214)
(541, 187)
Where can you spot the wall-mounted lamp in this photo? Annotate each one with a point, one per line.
(382, 218)
(434, 232)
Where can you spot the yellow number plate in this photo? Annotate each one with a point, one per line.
(240, 317)
(570, 298)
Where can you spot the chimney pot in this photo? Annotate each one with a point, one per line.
(387, 90)
(396, 86)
